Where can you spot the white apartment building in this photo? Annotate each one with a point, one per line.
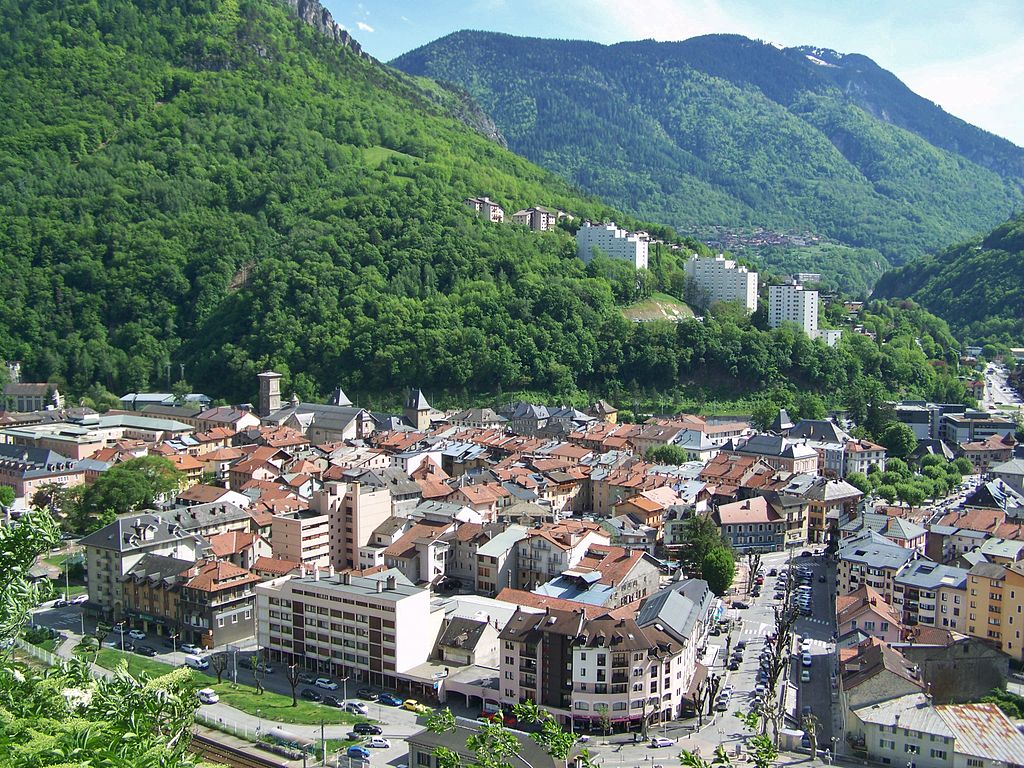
(614, 242)
(792, 303)
(368, 628)
(723, 280)
(487, 208)
(354, 511)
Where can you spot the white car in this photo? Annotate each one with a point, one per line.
(326, 683)
(207, 696)
(662, 741)
(378, 742)
(189, 648)
(727, 690)
(806, 659)
(137, 634)
(356, 707)
(805, 646)
(79, 599)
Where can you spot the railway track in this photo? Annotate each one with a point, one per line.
(216, 752)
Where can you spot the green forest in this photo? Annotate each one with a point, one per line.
(722, 130)
(216, 185)
(977, 286)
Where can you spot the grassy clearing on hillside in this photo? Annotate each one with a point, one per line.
(660, 306)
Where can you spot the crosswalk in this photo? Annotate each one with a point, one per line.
(752, 630)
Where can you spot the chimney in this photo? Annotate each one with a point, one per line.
(302, 571)
(316, 572)
(346, 577)
(380, 586)
(330, 570)
(392, 583)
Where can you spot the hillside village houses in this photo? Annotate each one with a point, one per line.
(384, 546)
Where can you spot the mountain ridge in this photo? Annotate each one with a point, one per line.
(722, 129)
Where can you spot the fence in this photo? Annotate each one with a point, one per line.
(43, 655)
(227, 726)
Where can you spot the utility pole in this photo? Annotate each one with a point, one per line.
(323, 740)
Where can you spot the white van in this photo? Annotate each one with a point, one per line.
(208, 696)
(196, 662)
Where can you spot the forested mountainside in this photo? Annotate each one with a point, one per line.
(723, 130)
(220, 185)
(977, 286)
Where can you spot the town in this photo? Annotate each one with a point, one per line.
(387, 564)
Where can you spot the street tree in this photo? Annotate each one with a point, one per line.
(259, 671)
(810, 726)
(219, 663)
(700, 535)
(718, 569)
(293, 681)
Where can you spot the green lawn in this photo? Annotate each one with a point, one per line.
(277, 708)
(57, 560)
(110, 657)
(660, 306)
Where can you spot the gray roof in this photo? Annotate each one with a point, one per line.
(876, 551)
(417, 401)
(332, 418)
(832, 490)
(136, 531)
(483, 415)
(503, 542)
(677, 608)
(394, 479)
(898, 528)
(528, 755)
(769, 445)
(203, 515)
(361, 585)
(577, 590)
(821, 430)
(16, 388)
(925, 574)
(1011, 467)
(913, 711)
(157, 568)
(35, 462)
(339, 398)
(462, 633)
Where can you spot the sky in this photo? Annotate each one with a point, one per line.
(965, 55)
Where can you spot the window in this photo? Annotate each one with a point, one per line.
(423, 758)
(220, 621)
(974, 763)
(912, 749)
(939, 753)
(582, 705)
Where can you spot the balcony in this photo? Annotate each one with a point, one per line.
(528, 665)
(620, 677)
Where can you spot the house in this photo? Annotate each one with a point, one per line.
(26, 470)
(905, 533)
(228, 418)
(932, 595)
(424, 744)
(956, 668)
(649, 507)
(486, 208)
(537, 218)
(988, 595)
(604, 411)
(830, 504)
(780, 453)
(613, 243)
(466, 641)
(151, 590)
(114, 550)
(871, 559)
(985, 454)
(273, 567)
(945, 736)
(498, 560)
(873, 672)
(1011, 472)
(478, 418)
(241, 549)
(217, 604)
(865, 609)
(606, 575)
(550, 549)
(486, 498)
(752, 524)
(323, 423)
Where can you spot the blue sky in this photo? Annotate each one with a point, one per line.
(966, 56)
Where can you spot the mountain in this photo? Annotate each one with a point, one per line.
(213, 188)
(977, 286)
(723, 130)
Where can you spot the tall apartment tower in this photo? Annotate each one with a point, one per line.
(270, 392)
(723, 280)
(792, 303)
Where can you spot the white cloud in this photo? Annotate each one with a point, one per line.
(661, 19)
(364, 26)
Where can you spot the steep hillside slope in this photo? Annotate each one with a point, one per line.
(726, 130)
(978, 286)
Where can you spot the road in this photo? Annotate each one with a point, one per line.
(998, 394)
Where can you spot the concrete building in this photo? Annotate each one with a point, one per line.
(26, 470)
(115, 549)
(302, 537)
(1010, 472)
(792, 303)
(931, 594)
(487, 208)
(370, 629)
(537, 218)
(866, 610)
(752, 525)
(721, 279)
(988, 603)
(26, 397)
(871, 559)
(613, 242)
(354, 511)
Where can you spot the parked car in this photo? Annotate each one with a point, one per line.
(722, 705)
(805, 675)
(306, 677)
(773, 572)
(378, 742)
(196, 662)
(389, 700)
(334, 701)
(326, 683)
(207, 696)
(420, 709)
(367, 729)
(806, 659)
(189, 648)
(822, 578)
(311, 694)
(741, 645)
(79, 599)
(356, 707)
(60, 602)
(357, 752)
(740, 605)
(145, 650)
(662, 741)
(136, 634)
(366, 693)
(733, 665)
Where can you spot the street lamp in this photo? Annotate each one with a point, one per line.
(120, 631)
(259, 724)
(344, 683)
(174, 643)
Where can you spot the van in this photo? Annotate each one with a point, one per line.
(196, 662)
